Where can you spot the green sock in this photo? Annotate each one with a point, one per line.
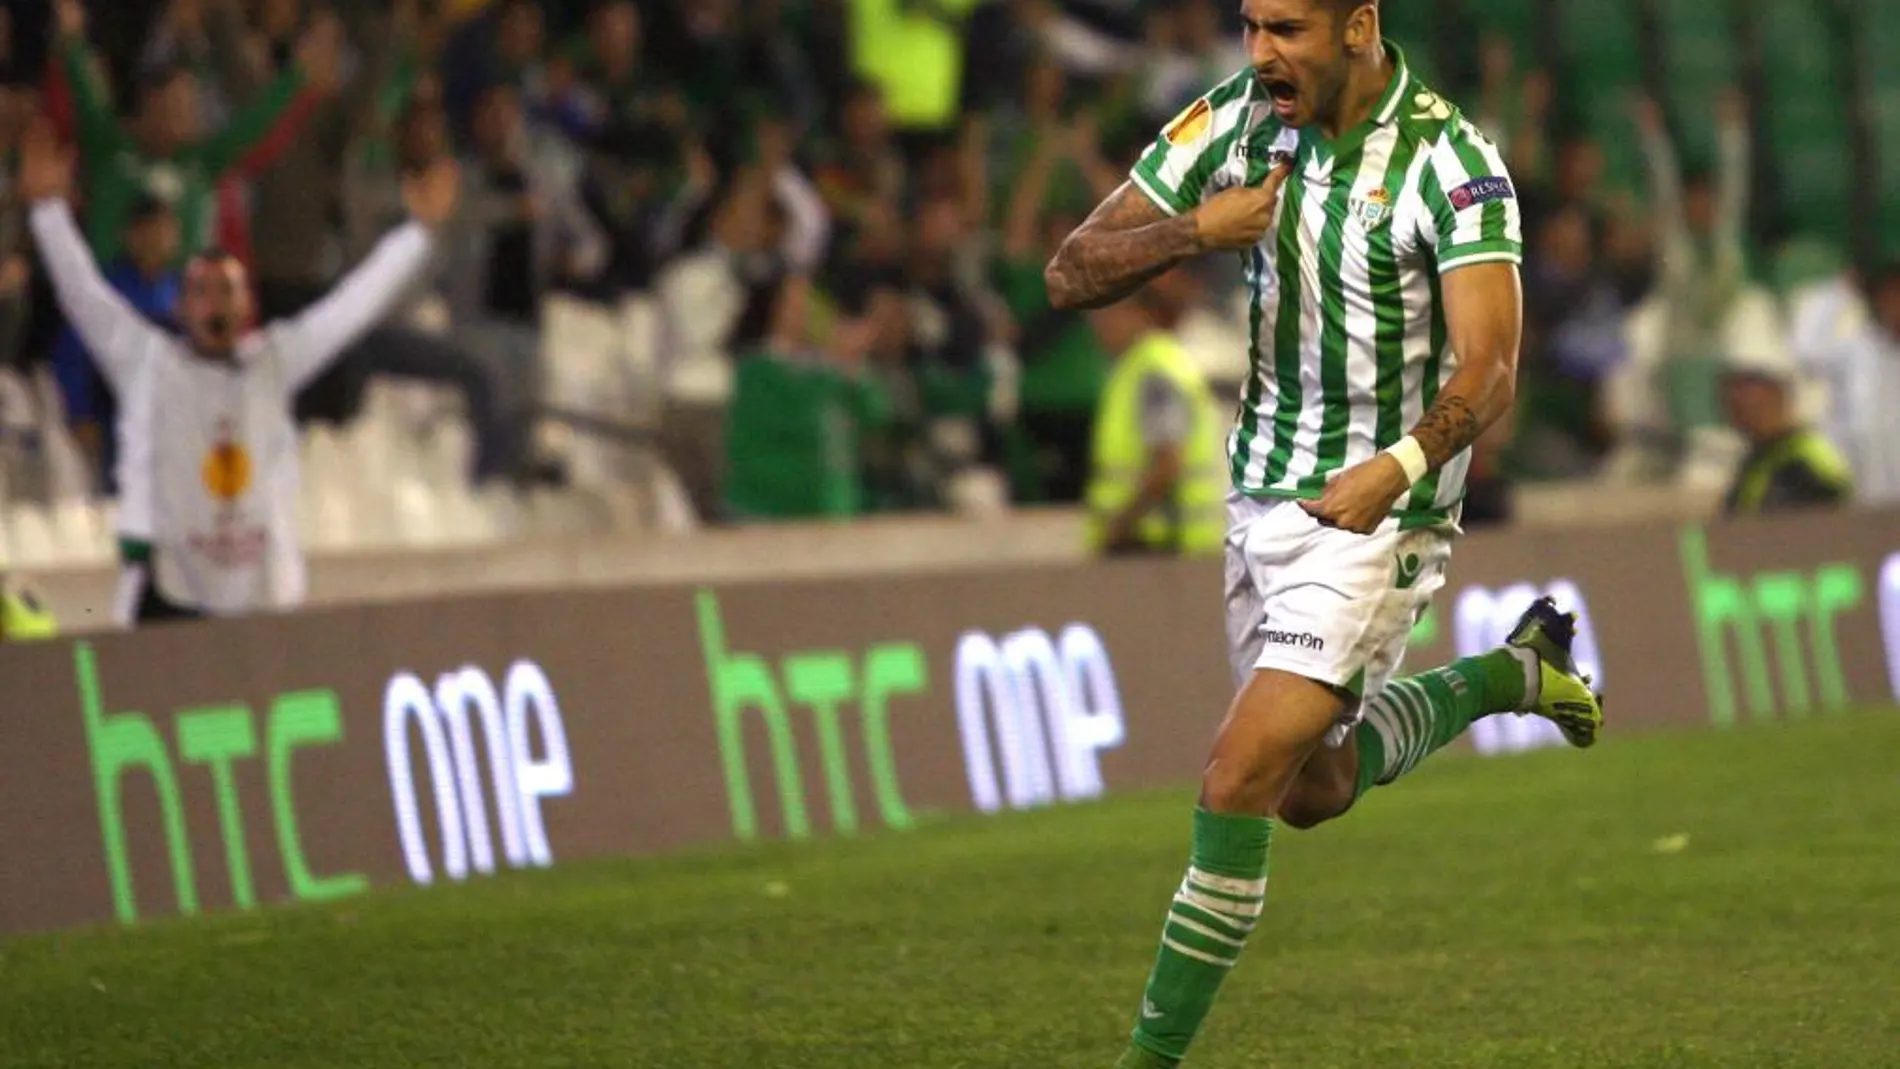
(1217, 905)
(1415, 716)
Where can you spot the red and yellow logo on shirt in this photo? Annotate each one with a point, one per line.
(1191, 124)
(227, 470)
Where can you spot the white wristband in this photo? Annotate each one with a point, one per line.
(1411, 457)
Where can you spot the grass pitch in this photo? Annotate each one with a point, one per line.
(1701, 899)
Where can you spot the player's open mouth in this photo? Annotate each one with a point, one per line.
(1286, 95)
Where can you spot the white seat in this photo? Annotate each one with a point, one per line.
(580, 343)
(462, 520)
(327, 519)
(75, 526)
(416, 513)
(369, 484)
(673, 511)
(449, 453)
(506, 515)
(35, 543)
(106, 528)
(326, 510)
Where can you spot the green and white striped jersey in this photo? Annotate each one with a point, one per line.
(1348, 326)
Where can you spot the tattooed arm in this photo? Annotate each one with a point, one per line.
(1124, 243)
(1484, 307)
(1129, 239)
(1484, 313)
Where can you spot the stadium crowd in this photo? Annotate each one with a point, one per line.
(841, 210)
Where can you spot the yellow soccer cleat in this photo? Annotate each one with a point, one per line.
(1564, 695)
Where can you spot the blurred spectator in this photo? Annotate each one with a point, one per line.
(634, 129)
(737, 61)
(1789, 465)
(500, 46)
(521, 229)
(1856, 351)
(1700, 311)
(962, 344)
(1064, 363)
(1701, 219)
(859, 169)
(1050, 132)
(801, 410)
(208, 451)
(147, 276)
(165, 153)
(1575, 325)
(296, 203)
(1158, 482)
(762, 226)
(1514, 109)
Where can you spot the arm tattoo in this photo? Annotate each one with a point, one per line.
(1124, 244)
(1448, 429)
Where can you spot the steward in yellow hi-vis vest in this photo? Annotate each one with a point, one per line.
(1789, 465)
(1159, 479)
(1798, 469)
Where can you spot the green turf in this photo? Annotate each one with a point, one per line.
(1484, 913)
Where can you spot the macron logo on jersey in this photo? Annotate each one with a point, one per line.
(1300, 639)
(1479, 190)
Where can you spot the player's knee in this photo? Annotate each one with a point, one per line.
(1233, 786)
(1304, 808)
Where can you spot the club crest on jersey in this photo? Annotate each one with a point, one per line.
(1479, 190)
(1191, 124)
(1373, 209)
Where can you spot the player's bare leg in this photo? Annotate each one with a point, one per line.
(1274, 726)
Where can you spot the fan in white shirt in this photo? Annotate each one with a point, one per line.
(207, 440)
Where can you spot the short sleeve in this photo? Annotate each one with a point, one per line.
(1472, 212)
(1176, 168)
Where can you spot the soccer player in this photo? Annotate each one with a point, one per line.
(207, 447)
(1381, 239)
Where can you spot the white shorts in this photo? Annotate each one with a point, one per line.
(1326, 604)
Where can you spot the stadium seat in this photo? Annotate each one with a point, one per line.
(327, 511)
(640, 342)
(504, 514)
(415, 511)
(462, 520)
(76, 528)
(35, 543)
(106, 523)
(448, 452)
(68, 472)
